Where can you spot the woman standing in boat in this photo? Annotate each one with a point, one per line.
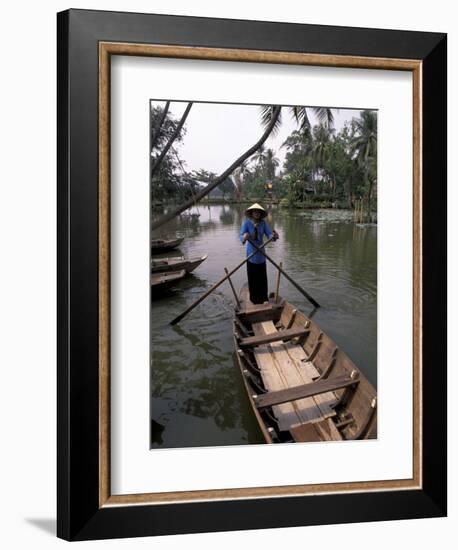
(253, 229)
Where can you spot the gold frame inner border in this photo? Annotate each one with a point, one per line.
(106, 50)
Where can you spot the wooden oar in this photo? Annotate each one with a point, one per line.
(216, 285)
(299, 288)
(278, 284)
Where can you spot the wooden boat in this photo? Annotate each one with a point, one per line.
(163, 245)
(301, 386)
(160, 281)
(161, 265)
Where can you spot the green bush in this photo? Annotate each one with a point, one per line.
(285, 203)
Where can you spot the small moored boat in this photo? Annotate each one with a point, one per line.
(301, 386)
(160, 281)
(161, 265)
(163, 245)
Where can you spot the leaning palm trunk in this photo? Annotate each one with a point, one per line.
(167, 217)
(158, 129)
(173, 137)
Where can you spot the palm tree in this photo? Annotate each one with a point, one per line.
(274, 114)
(266, 161)
(365, 136)
(271, 163)
(322, 145)
(301, 115)
(156, 131)
(324, 115)
(365, 150)
(238, 177)
(271, 121)
(172, 138)
(259, 157)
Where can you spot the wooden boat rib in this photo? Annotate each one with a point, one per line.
(163, 245)
(301, 386)
(176, 263)
(164, 280)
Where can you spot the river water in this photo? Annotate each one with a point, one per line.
(197, 395)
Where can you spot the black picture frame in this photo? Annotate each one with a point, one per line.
(80, 516)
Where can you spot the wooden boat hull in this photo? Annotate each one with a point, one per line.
(263, 425)
(158, 246)
(301, 386)
(162, 281)
(173, 264)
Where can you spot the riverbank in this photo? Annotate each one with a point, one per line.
(313, 203)
(218, 201)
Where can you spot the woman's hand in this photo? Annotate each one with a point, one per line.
(275, 235)
(246, 236)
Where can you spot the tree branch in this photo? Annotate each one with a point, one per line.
(159, 125)
(171, 140)
(167, 217)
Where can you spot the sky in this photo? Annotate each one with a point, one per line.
(217, 134)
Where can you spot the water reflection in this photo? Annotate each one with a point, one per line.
(227, 216)
(198, 397)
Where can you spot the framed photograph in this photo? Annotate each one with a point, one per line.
(251, 274)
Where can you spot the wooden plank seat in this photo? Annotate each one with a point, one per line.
(280, 371)
(273, 337)
(264, 312)
(248, 307)
(324, 430)
(305, 390)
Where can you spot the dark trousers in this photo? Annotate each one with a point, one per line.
(257, 282)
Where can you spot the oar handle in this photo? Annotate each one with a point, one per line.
(292, 281)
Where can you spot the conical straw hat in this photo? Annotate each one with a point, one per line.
(256, 206)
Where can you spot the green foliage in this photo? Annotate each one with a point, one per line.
(325, 168)
(171, 181)
(322, 167)
(259, 178)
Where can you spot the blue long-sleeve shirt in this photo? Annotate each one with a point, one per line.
(263, 229)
